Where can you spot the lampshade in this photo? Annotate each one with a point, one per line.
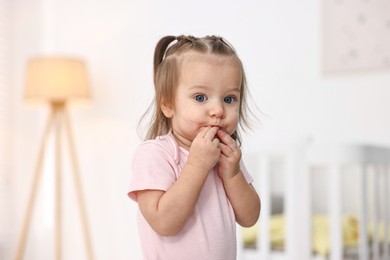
(56, 79)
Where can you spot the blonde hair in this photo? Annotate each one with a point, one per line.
(167, 57)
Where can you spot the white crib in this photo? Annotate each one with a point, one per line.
(300, 162)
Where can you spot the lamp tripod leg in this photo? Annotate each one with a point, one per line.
(78, 187)
(31, 202)
(58, 185)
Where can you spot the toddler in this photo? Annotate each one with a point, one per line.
(188, 178)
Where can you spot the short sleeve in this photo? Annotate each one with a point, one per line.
(153, 168)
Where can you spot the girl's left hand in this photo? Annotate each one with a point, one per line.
(229, 162)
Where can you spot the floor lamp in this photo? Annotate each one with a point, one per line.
(56, 80)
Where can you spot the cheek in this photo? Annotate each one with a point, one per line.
(190, 113)
(232, 126)
(189, 117)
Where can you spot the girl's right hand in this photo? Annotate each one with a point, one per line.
(205, 151)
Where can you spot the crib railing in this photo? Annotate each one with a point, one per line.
(298, 160)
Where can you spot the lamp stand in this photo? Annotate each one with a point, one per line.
(57, 119)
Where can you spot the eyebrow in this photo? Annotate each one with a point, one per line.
(233, 89)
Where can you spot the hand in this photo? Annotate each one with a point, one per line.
(229, 163)
(205, 151)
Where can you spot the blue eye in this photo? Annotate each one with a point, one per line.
(229, 100)
(200, 98)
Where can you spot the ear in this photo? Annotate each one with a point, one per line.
(167, 110)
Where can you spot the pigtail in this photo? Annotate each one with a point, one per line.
(160, 51)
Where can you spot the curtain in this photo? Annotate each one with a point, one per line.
(5, 229)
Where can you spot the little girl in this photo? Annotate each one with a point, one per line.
(188, 178)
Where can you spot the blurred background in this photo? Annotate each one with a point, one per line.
(310, 73)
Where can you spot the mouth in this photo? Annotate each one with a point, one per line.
(219, 127)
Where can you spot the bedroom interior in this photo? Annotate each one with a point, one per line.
(319, 76)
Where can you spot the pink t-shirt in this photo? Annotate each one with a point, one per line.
(210, 233)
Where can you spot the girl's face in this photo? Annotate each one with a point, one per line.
(208, 94)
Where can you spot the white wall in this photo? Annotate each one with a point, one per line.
(279, 41)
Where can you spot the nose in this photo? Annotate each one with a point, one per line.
(217, 110)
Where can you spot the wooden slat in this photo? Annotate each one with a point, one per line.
(363, 240)
(377, 171)
(298, 204)
(264, 241)
(335, 212)
(386, 213)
